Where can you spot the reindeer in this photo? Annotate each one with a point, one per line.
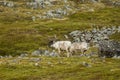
(82, 46)
(62, 45)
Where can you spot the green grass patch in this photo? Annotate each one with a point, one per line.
(68, 69)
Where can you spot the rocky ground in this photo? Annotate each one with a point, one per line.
(50, 9)
(27, 26)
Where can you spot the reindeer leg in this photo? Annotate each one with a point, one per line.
(71, 52)
(59, 52)
(68, 53)
(82, 51)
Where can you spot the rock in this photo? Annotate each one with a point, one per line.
(10, 56)
(109, 48)
(10, 4)
(77, 40)
(116, 3)
(91, 10)
(33, 18)
(115, 56)
(54, 54)
(118, 57)
(75, 33)
(65, 1)
(25, 58)
(94, 30)
(35, 59)
(36, 64)
(94, 35)
(23, 55)
(49, 63)
(94, 1)
(37, 53)
(48, 3)
(15, 61)
(7, 3)
(46, 53)
(60, 62)
(86, 64)
(1, 57)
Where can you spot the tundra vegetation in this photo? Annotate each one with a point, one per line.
(22, 32)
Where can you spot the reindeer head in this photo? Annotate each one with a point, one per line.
(52, 40)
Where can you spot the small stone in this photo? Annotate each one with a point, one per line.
(86, 64)
(36, 64)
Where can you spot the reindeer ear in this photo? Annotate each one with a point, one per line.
(55, 36)
(50, 42)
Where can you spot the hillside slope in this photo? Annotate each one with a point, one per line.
(19, 33)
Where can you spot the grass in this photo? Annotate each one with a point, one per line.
(116, 36)
(18, 37)
(105, 16)
(26, 36)
(19, 34)
(69, 69)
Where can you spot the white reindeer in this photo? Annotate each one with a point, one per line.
(62, 45)
(82, 46)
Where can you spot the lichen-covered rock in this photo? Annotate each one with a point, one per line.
(109, 48)
(37, 53)
(95, 35)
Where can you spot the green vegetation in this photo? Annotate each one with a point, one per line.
(106, 16)
(62, 69)
(25, 36)
(18, 34)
